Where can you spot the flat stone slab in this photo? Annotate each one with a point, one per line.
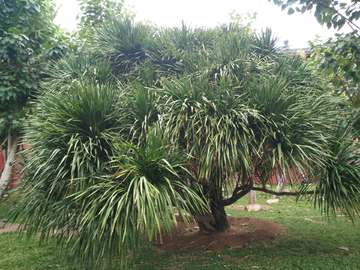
(251, 207)
(272, 201)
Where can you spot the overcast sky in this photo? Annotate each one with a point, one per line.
(297, 28)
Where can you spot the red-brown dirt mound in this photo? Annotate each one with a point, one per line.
(242, 229)
(183, 237)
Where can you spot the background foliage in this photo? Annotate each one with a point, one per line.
(337, 58)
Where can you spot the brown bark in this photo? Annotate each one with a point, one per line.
(205, 221)
(241, 191)
(282, 193)
(217, 204)
(218, 212)
(252, 196)
(12, 146)
(280, 186)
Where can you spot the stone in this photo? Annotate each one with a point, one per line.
(238, 207)
(272, 201)
(253, 207)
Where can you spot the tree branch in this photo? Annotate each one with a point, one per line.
(281, 193)
(346, 90)
(349, 22)
(244, 190)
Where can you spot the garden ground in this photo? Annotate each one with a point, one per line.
(310, 242)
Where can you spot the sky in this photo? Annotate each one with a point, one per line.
(296, 28)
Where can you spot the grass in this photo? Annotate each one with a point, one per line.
(312, 242)
(6, 203)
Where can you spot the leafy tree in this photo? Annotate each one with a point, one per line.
(28, 39)
(154, 120)
(93, 14)
(337, 58)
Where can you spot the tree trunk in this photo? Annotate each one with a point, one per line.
(12, 146)
(218, 212)
(280, 184)
(217, 219)
(252, 196)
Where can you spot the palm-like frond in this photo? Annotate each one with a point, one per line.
(294, 137)
(210, 122)
(144, 195)
(265, 43)
(77, 69)
(122, 42)
(339, 188)
(94, 191)
(69, 151)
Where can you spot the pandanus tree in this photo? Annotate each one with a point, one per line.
(177, 119)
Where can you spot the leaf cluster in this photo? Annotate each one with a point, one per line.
(333, 14)
(337, 58)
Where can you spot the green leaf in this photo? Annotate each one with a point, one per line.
(291, 2)
(328, 55)
(37, 8)
(14, 30)
(332, 62)
(5, 40)
(291, 11)
(341, 23)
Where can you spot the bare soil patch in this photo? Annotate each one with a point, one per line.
(8, 227)
(242, 230)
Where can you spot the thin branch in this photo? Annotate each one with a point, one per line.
(281, 193)
(4, 141)
(244, 190)
(350, 23)
(346, 90)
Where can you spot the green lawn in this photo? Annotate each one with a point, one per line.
(310, 243)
